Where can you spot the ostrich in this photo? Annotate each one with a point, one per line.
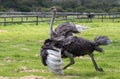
(62, 31)
(72, 46)
(51, 54)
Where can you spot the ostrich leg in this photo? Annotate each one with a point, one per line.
(70, 56)
(95, 64)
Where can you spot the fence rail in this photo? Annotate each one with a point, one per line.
(36, 17)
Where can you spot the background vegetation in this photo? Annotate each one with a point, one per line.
(62, 5)
(20, 45)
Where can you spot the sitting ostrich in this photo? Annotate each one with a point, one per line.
(72, 46)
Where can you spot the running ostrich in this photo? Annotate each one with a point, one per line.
(72, 46)
(62, 31)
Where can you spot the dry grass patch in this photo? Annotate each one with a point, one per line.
(3, 31)
(24, 77)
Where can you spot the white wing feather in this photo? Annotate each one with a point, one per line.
(54, 61)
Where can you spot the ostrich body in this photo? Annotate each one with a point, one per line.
(73, 46)
(76, 46)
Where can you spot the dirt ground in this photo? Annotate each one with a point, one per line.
(24, 77)
(3, 31)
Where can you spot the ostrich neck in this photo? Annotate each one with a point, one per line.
(51, 24)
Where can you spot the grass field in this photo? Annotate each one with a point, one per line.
(20, 45)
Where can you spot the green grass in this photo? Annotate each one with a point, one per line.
(20, 45)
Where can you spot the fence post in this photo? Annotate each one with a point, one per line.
(77, 15)
(102, 17)
(41, 18)
(12, 18)
(65, 17)
(21, 19)
(112, 18)
(37, 20)
(4, 21)
(26, 18)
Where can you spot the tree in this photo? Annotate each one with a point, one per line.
(63, 5)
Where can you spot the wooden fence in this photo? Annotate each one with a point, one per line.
(36, 17)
